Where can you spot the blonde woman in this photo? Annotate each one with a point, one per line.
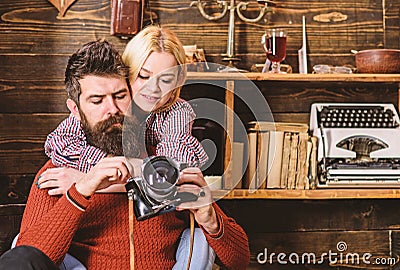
(157, 71)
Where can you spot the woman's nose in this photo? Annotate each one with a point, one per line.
(153, 84)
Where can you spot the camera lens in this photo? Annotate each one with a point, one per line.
(161, 175)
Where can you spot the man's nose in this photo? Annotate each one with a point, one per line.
(112, 106)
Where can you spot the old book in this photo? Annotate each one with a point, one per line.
(313, 162)
(293, 161)
(275, 153)
(250, 179)
(237, 164)
(285, 159)
(278, 126)
(301, 174)
(263, 142)
(282, 127)
(309, 149)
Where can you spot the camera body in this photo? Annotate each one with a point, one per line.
(155, 191)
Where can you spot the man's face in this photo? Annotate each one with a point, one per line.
(103, 103)
(102, 97)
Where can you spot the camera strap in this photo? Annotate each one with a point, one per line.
(131, 242)
(191, 240)
(131, 239)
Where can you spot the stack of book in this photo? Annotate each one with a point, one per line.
(281, 155)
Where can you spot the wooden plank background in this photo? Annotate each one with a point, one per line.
(299, 226)
(35, 44)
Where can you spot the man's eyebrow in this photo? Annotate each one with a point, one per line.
(120, 91)
(123, 90)
(95, 96)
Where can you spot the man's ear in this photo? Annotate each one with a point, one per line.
(73, 108)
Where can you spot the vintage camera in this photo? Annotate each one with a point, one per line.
(155, 191)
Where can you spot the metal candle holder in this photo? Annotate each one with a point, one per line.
(232, 7)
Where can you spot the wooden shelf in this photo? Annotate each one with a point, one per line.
(317, 194)
(283, 194)
(371, 78)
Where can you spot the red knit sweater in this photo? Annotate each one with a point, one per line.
(99, 236)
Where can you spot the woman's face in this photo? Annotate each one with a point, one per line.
(155, 82)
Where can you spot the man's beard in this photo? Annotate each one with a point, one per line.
(107, 135)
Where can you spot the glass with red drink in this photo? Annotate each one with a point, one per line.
(274, 44)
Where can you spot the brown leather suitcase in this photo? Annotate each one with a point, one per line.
(126, 17)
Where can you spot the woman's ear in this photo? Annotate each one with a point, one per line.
(73, 108)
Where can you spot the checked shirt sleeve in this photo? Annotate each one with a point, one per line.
(66, 146)
(171, 130)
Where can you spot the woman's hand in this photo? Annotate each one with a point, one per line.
(192, 180)
(58, 180)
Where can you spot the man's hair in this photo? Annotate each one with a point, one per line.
(98, 58)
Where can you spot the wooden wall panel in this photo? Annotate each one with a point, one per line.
(316, 215)
(317, 226)
(300, 96)
(31, 68)
(364, 25)
(297, 97)
(10, 220)
(357, 25)
(392, 24)
(15, 188)
(299, 246)
(22, 90)
(22, 138)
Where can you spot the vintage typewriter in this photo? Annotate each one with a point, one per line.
(358, 144)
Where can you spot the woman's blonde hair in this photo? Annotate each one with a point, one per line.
(155, 39)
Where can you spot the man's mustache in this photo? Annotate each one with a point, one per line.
(108, 135)
(113, 123)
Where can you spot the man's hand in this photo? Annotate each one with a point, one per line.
(109, 171)
(192, 180)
